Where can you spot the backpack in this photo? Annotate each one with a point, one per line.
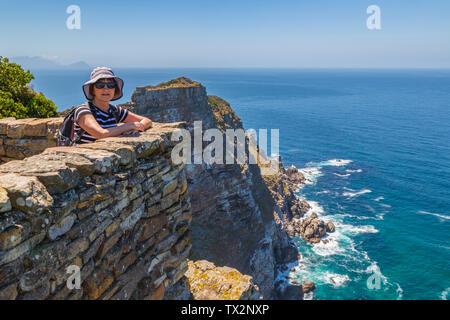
(67, 135)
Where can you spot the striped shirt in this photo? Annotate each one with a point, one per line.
(104, 119)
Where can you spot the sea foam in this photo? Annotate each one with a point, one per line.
(342, 175)
(356, 194)
(444, 294)
(336, 280)
(440, 216)
(351, 171)
(332, 162)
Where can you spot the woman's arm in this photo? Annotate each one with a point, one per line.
(88, 123)
(132, 117)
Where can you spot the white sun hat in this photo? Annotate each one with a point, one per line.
(103, 73)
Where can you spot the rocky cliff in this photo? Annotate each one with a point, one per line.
(237, 214)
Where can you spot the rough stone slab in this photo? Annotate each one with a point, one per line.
(168, 242)
(125, 152)
(144, 145)
(73, 249)
(130, 280)
(5, 203)
(45, 256)
(61, 227)
(104, 161)
(11, 272)
(10, 218)
(34, 144)
(64, 204)
(14, 235)
(152, 225)
(16, 252)
(27, 194)
(169, 187)
(13, 152)
(131, 220)
(53, 126)
(84, 166)
(93, 248)
(124, 263)
(32, 279)
(16, 129)
(55, 175)
(39, 294)
(4, 125)
(170, 199)
(99, 230)
(36, 128)
(108, 244)
(9, 292)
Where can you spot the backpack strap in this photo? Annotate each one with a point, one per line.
(77, 135)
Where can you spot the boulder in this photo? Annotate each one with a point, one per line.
(308, 286)
(330, 227)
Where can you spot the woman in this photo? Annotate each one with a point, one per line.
(101, 119)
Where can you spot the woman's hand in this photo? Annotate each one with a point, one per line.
(137, 126)
(143, 123)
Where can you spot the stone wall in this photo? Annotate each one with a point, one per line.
(22, 138)
(117, 208)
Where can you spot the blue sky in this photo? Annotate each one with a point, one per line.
(231, 33)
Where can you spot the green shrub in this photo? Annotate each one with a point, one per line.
(17, 98)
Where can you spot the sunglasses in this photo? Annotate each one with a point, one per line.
(101, 85)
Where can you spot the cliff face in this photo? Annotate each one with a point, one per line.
(237, 220)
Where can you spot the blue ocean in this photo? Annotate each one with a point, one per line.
(375, 148)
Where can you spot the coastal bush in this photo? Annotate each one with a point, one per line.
(17, 97)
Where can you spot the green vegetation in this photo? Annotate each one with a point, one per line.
(17, 97)
(225, 116)
(178, 82)
(218, 104)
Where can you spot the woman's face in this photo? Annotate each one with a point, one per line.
(105, 94)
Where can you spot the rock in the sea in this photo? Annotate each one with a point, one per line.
(330, 227)
(299, 208)
(308, 286)
(312, 229)
(294, 175)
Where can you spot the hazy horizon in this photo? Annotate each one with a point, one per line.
(235, 34)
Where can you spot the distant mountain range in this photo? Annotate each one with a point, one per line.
(40, 63)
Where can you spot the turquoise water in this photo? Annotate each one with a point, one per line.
(389, 195)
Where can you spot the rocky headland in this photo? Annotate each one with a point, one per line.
(229, 241)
